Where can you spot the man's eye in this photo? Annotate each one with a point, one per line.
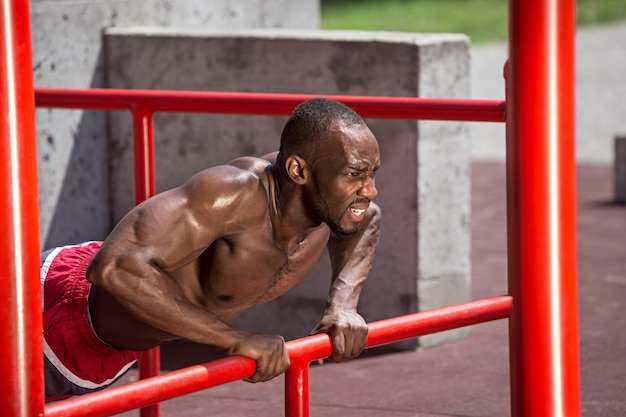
(354, 174)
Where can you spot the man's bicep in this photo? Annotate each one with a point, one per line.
(174, 227)
(165, 230)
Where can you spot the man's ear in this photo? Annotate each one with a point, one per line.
(296, 169)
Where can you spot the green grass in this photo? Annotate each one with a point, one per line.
(482, 20)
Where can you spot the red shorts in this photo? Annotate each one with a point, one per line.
(76, 361)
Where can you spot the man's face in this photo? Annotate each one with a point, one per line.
(343, 178)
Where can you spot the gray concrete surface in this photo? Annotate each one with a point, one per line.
(72, 145)
(600, 93)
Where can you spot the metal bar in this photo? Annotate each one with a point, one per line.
(144, 103)
(145, 187)
(297, 402)
(148, 391)
(304, 351)
(269, 104)
(21, 349)
(301, 351)
(150, 366)
(446, 318)
(541, 216)
(143, 149)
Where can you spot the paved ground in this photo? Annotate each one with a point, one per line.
(469, 377)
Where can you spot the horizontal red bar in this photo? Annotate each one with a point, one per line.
(268, 104)
(195, 378)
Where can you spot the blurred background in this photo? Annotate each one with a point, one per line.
(482, 20)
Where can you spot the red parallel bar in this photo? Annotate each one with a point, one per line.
(541, 186)
(269, 104)
(302, 352)
(152, 390)
(446, 318)
(145, 187)
(297, 398)
(143, 148)
(21, 359)
(144, 103)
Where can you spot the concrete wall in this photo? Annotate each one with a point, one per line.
(67, 52)
(424, 181)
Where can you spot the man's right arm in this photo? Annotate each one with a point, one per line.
(160, 236)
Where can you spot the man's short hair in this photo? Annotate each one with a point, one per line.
(310, 124)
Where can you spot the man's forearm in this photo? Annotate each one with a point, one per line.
(157, 301)
(351, 261)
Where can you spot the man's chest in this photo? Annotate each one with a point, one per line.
(254, 270)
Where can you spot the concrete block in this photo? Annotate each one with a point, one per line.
(424, 256)
(67, 52)
(620, 169)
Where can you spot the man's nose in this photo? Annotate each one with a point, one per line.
(368, 189)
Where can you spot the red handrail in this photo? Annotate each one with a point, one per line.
(302, 352)
(268, 104)
(144, 103)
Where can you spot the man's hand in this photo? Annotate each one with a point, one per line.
(268, 351)
(347, 331)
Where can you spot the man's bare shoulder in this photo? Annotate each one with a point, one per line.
(254, 165)
(241, 174)
(240, 183)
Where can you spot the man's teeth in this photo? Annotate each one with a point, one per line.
(357, 212)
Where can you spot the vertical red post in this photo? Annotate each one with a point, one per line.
(297, 388)
(542, 208)
(143, 140)
(145, 187)
(21, 353)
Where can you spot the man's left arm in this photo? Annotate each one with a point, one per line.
(351, 260)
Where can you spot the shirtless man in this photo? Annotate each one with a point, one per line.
(189, 260)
